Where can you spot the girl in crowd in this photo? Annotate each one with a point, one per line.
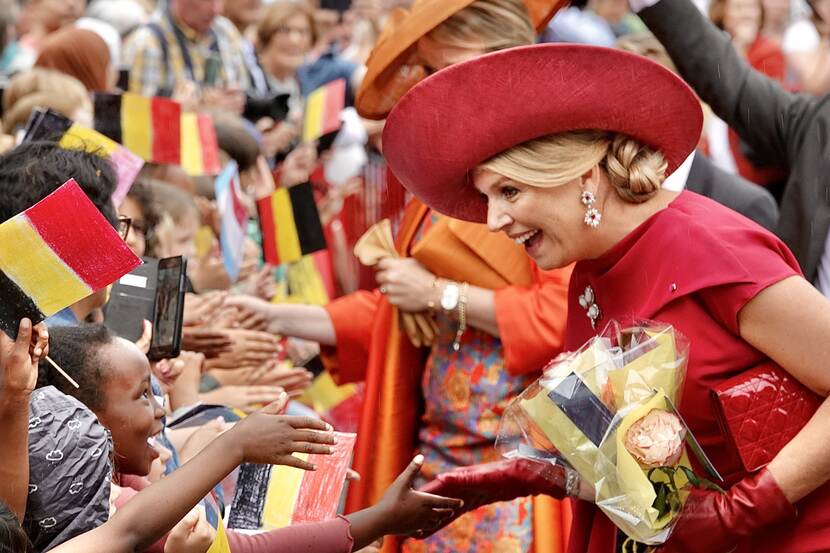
(578, 180)
(114, 378)
(498, 318)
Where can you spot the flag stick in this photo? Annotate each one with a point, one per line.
(63, 372)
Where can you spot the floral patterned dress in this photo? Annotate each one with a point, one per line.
(465, 393)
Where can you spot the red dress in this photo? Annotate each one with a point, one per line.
(694, 265)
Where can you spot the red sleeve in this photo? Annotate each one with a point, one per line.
(767, 57)
(765, 260)
(532, 319)
(330, 536)
(353, 317)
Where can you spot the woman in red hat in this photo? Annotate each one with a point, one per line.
(565, 151)
(497, 317)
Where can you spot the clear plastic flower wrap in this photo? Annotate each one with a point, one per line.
(606, 411)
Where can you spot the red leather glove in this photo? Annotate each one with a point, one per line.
(716, 522)
(487, 483)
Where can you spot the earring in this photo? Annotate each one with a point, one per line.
(592, 214)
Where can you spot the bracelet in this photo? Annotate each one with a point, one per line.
(462, 317)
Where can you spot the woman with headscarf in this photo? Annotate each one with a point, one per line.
(497, 318)
(80, 53)
(579, 180)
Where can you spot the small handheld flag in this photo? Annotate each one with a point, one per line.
(274, 497)
(50, 125)
(150, 127)
(200, 149)
(56, 253)
(159, 131)
(234, 218)
(322, 110)
(290, 224)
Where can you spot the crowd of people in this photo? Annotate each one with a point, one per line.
(496, 160)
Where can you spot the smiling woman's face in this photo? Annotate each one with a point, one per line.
(129, 409)
(548, 222)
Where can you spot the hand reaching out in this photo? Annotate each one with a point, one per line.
(245, 398)
(294, 380)
(200, 309)
(208, 341)
(414, 513)
(269, 438)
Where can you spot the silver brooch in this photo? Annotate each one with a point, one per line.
(587, 300)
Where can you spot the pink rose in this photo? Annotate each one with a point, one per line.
(656, 440)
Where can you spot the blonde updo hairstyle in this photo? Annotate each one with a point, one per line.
(498, 24)
(635, 171)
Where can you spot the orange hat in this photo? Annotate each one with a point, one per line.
(387, 78)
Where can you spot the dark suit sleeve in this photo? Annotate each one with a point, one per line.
(767, 117)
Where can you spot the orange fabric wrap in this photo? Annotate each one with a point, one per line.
(468, 252)
(371, 342)
(353, 317)
(532, 320)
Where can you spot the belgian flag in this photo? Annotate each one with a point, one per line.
(56, 253)
(290, 225)
(149, 127)
(159, 131)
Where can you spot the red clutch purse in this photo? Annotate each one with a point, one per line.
(761, 410)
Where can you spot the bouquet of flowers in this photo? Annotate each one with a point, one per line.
(607, 411)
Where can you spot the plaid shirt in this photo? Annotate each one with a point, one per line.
(152, 73)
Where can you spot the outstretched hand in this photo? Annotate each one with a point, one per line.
(480, 485)
(415, 513)
(269, 438)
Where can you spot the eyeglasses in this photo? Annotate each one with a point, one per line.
(124, 224)
(285, 30)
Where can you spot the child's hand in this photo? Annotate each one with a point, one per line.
(18, 371)
(412, 513)
(269, 438)
(193, 534)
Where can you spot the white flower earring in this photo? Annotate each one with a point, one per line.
(592, 214)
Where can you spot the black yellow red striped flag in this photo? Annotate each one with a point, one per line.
(290, 224)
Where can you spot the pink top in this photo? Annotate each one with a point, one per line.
(694, 265)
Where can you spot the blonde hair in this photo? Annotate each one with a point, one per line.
(498, 24)
(635, 171)
(276, 14)
(44, 88)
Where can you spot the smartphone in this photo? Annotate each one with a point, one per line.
(168, 311)
(212, 66)
(132, 299)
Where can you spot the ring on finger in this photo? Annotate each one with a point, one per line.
(383, 290)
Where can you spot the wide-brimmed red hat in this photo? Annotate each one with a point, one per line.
(387, 76)
(465, 114)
